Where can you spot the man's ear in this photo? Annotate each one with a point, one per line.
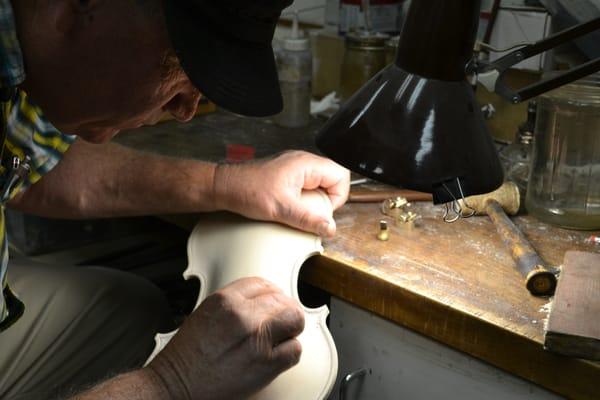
(70, 16)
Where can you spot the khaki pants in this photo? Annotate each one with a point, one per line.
(80, 326)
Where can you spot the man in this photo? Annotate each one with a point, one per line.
(90, 68)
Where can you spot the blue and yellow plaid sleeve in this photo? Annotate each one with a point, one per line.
(30, 134)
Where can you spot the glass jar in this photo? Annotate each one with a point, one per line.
(564, 184)
(364, 57)
(391, 48)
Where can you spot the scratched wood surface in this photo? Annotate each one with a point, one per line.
(454, 282)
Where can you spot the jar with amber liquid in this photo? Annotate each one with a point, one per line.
(364, 57)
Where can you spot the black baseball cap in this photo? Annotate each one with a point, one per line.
(224, 46)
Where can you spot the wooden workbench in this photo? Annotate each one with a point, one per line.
(454, 283)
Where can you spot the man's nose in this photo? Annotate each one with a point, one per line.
(184, 104)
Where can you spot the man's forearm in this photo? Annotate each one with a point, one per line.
(111, 180)
(142, 384)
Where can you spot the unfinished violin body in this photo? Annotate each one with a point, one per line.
(224, 248)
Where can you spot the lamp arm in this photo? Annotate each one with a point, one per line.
(491, 75)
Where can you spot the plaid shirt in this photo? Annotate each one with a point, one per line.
(27, 134)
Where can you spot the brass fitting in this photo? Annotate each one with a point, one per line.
(384, 233)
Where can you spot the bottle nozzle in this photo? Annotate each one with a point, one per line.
(295, 28)
(296, 41)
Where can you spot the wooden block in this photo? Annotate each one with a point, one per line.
(574, 323)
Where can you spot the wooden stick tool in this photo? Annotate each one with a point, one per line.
(539, 280)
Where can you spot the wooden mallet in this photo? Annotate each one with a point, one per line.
(539, 280)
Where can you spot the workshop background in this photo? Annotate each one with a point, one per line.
(426, 309)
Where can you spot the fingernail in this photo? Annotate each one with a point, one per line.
(327, 228)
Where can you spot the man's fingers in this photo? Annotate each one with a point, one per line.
(338, 195)
(277, 360)
(264, 314)
(332, 178)
(338, 192)
(283, 325)
(325, 228)
(311, 212)
(273, 342)
(286, 355)
(306, 219)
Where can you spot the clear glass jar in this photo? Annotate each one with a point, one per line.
(364, 57)
(564, 184)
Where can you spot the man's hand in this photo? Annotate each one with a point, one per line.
(238, 340)
(271, 190)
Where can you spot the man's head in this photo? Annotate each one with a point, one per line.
(96, 67)
(225, 48)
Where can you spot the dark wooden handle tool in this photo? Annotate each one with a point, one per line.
(375, 196)
(538, 279)
(506, 200)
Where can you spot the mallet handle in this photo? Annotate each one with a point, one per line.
(538, 279)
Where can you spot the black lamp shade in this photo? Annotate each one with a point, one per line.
(417, 124)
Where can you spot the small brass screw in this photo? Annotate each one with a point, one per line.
(384, 233)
